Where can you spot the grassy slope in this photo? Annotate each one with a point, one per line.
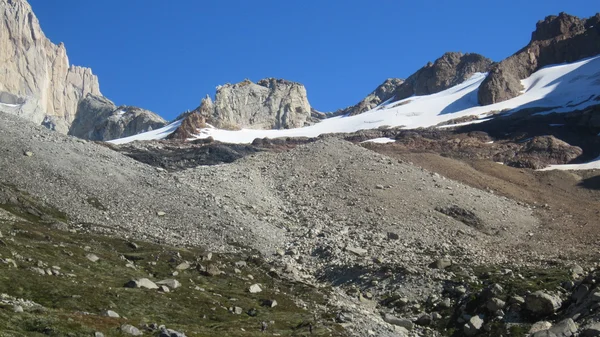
(72, 305)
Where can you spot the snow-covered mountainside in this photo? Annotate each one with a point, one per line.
(558, 88)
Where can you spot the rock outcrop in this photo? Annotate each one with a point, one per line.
(268, 104)
(189, 126)
(37, 71)
(382, 93)
(98, 118)
(447, 71)
(557, 39)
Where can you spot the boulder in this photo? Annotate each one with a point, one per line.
(401, 322)
(591, 330)
(255, 288)
(566, 328)
(141, 283)
(129, 329)
(171, 283)
(473, 326)
(542, 304)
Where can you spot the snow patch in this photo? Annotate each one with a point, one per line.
(161, 133)
(594, 164)
(382, 140)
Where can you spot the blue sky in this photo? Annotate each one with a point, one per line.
(165, 55)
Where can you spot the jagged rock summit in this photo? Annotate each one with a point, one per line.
(267, 104)
(100, 119)
(35, 73)
(557, 39)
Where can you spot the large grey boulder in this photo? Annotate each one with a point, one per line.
(542, 304)
(267, 104)
(99, 119)
(38, 70)
(566, 328)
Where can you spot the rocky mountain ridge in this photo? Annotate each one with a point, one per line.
(100, 119)
(556, 39)
(38, 83)
(37, 71)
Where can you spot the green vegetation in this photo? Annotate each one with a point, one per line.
(72, 303)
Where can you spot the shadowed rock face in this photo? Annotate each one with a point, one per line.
(99, 119)
(268, 104)
(38, 71)
(557, 39)
(447, 71)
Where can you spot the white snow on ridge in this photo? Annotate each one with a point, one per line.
(594, 164)
(552, 87)
(382, 140)
(161, 133)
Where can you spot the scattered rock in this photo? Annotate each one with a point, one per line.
(424, 320)
(183, 266)
(402, 322)
(356, 251)
(171, 283)
(213, 270)
(540, 303)
(566, 328)
(17, 308)
(591, 330)
(495, 304)
(92, 257)
(130, 330)
(141, 283)
(170, 333)
(110, 313)
(540, 326)
(161, 213)
(472, 327)
(255, 288)
(164, 289)
(441, 263)
(269, 303)
(28, 153)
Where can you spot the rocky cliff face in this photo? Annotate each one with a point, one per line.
(98, 118)
(268, 104)
(381, 94)
(447, 71)
(37, 71)
(557, 39)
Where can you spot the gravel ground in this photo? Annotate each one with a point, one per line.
(328, 212)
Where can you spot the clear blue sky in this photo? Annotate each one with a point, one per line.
(165, 55)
